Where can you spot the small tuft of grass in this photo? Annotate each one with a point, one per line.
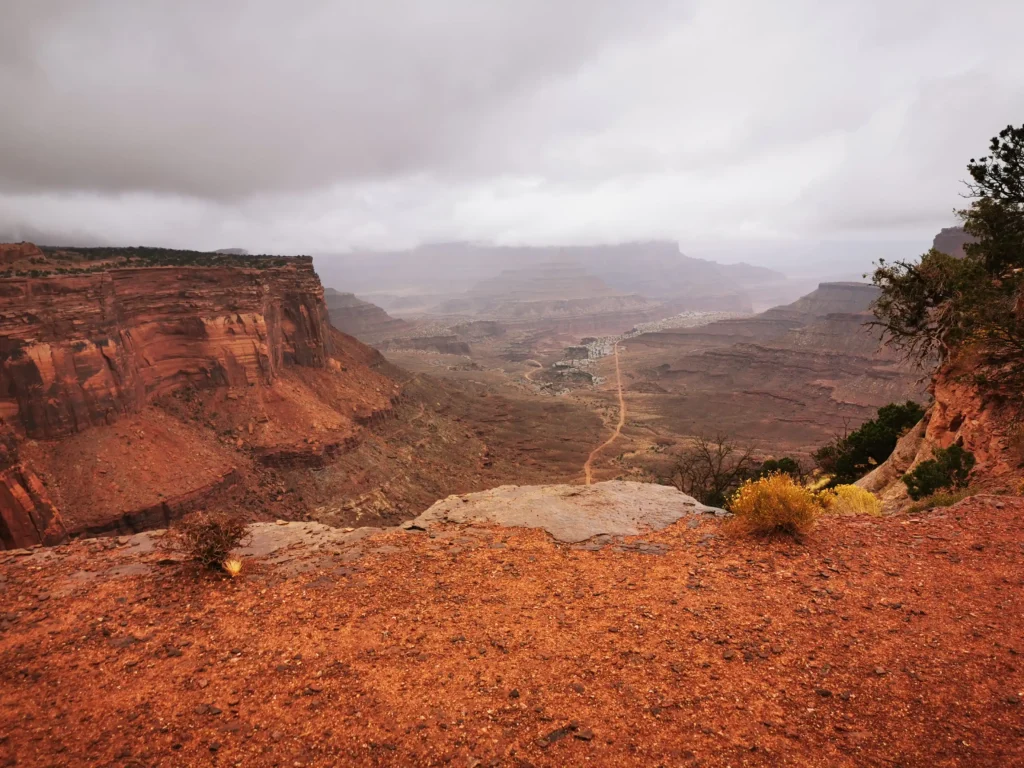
(941, 499)
(851, 500)
(232, 567)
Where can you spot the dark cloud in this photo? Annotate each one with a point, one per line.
(320, 125)
(236, 97)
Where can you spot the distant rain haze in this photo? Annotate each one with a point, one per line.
(778, 133)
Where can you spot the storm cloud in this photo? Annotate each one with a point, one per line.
(322, 125)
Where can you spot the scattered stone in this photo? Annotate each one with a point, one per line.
(557, 735)
(514, 693)
(728, 654)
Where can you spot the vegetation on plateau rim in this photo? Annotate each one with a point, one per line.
(79, 261)
(712, 468)
(849, 457)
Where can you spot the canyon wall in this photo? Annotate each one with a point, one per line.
(27, 514)
(79, 350)
(367, 322)
(960, 414)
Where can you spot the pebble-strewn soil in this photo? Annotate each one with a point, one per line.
(875, 642)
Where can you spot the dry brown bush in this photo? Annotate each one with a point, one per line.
(208, 537)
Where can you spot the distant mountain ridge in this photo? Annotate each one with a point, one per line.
(440, 272)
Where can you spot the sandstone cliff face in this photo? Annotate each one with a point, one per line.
(12, 252)
(27, 514)
(959, 415)
(80, 350)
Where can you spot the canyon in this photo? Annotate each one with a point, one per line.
(437, 530)
(115, 360)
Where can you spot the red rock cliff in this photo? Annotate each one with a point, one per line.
(959, 414)
(27, 515)
(79, 350)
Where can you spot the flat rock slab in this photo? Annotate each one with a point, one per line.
(270, 539)
(571, 513)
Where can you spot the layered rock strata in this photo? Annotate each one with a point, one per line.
(79, 350)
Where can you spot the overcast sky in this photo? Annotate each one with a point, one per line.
(322, 125)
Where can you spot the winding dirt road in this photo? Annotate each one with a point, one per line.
(587, 468)
(530, 373)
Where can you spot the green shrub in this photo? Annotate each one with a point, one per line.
(787, 465)
(949, 469)
(847, 459)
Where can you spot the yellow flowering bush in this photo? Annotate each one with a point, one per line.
(773, 505)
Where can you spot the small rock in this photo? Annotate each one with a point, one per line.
(879, 671)
(514, 693)
(825, 693)
(728, 654)
(585, 735)
(214, 746)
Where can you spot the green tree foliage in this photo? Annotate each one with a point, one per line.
(941, 305)
(787, 465)
(949, 469)
(850, 457)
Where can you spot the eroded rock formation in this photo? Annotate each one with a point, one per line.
(27, 515)
(952, 240)
(79, 350)
(12, 252)
(959, 415)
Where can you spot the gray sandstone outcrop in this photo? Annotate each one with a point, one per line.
(570, 513)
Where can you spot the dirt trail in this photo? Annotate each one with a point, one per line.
(530, 374)
(587, 468)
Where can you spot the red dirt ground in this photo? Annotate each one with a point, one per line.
(894, 642)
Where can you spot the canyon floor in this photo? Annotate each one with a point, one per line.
(891, 641)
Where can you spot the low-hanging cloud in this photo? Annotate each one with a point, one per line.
(321, 125)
